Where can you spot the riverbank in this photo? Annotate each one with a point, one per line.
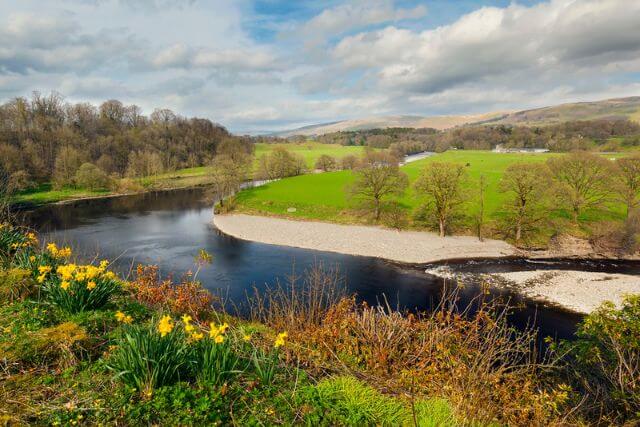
(414, 247)
(578, 291)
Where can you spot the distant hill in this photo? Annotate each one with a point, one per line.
(436, 122)
(620, 108)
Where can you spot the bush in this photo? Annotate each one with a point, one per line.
(91, 177)
(606, 357)
(187, 297)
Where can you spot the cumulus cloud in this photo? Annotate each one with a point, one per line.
(358, 14)
(561, 36)
(354, 58)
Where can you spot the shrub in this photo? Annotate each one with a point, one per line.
(606, 357)
(91, 177)
(78, 288)
(187, 297)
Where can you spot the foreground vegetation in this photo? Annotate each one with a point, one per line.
(80, 345)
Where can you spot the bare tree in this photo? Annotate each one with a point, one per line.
(377, 179)
(230, 167)
(482, 187)
(349, 162)
(627, 181)
(527, 185)
(326, 163)
(442, 184)
(584, 180)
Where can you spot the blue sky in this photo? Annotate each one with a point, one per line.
(274, 64)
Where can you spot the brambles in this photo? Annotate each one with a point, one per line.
(184, 297)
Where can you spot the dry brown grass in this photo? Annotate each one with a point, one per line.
(488, 370)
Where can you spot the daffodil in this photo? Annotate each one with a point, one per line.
(65, 285)
(44, 269)
(120, 316)
(219, 339)
(91, 285)
(197, 336)
(280, 339)
(246, 338)
(165, 326)
(32, 258)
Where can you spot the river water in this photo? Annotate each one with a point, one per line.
(169, 228)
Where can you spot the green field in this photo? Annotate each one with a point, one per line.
(323, 196)
(311, 150)
(189, 177)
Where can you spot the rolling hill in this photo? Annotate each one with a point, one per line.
(619, 108)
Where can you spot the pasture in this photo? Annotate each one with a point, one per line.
(325, 196)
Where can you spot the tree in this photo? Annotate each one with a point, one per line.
(482, 187)
(280, 163)
(442, 184)
(230, 167)
(349, 162)
(91, 177)
(627, 181)
(67, 163)
(584, 180)
(326, 163)
(527, 185)
(378, 179)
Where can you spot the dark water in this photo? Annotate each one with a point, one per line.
(168, 228)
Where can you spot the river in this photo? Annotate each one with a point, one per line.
(169, 228)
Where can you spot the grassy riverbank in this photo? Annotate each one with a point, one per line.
(324, 196)
(81, 346)
(190, 177)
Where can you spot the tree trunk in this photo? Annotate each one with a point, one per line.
(442, 228)
(377, 209)
(518, 232)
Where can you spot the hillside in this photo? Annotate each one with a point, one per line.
(619, 108)
(435, 122)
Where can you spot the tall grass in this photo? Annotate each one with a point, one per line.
(301, 301)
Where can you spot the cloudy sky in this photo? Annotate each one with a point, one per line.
(275, 64)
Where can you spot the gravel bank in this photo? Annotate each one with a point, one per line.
(580, 291)
(403, 246)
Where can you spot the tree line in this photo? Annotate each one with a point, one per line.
(573, 183)
(46, 139)
(597, 135)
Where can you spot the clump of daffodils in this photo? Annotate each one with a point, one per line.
(123, 318)
(56, 252)
(280, 339)
(216, 333)
(194, 334)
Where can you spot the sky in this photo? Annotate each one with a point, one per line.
(260, 65)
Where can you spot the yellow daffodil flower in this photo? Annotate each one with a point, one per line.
(165, 326)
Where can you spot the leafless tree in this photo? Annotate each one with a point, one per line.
(584, 180)
(442, 184)
(378, 178)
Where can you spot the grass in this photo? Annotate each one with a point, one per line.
(188, 177)
(323, 196)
